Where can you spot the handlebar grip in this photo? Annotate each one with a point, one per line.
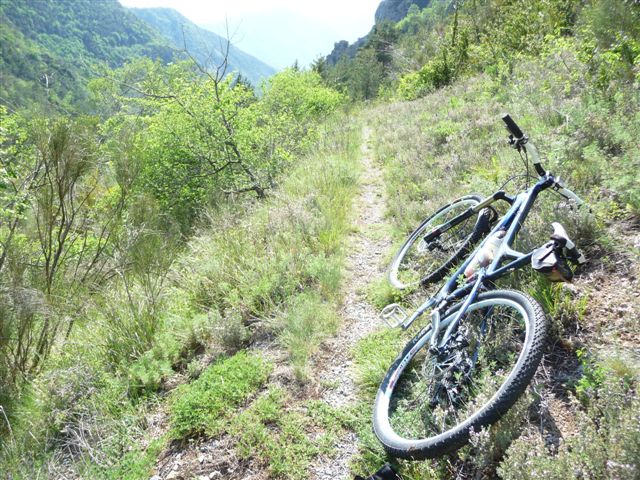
(512, 126)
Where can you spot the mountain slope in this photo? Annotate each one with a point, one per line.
(49, 49)
(207, 47)
(396, 10)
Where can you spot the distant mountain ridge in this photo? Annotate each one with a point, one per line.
(205, 46)
(387, 11)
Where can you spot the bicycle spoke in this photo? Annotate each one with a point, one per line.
(429, 256)
(438, 393)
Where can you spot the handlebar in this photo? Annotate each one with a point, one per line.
(520, 141)
(512, 127)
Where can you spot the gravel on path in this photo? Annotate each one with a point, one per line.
(364, 263)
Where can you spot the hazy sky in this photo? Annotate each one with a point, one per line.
(278, 31)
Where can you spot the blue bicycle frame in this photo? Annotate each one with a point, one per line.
(511, 222)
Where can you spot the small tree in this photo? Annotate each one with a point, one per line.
(206, 134)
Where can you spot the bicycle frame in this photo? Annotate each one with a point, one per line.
(512, 222)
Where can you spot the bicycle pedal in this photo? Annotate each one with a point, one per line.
(394, 315)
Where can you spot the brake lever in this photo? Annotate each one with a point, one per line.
(517, 143)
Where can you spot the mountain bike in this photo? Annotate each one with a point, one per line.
(470, 364)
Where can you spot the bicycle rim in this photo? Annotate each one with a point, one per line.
(428, 402)
(419, 262)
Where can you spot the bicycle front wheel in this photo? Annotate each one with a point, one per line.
(430, 401)
(420, 262)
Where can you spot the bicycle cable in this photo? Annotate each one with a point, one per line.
(513, 177)
(525, 160)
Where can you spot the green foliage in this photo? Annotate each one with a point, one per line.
(373, 355)
(264, 264)
(593, 376)
(61, 213)
(364, 76)
(77, 407)
(380, 293)
(172, 349)
(287, 440)
(433, 75)
(563, 307)
(430, 48)
(136, 464)
(306, 322)
(105, 288)
(302, 95)
(205, 405)
(146, 321)
(280, 440)
(607, 446)
(205, 137)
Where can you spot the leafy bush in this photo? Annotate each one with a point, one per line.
(301, 95)
(205, 137)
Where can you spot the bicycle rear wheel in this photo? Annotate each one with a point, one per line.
(428, 402)
(418, 262)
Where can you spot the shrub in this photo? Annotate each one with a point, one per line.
(204, 406)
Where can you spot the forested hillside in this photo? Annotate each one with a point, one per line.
(50, 50)
(190, 277)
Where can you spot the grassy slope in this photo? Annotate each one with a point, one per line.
(282, 263)
(452, 143)
(273, 271)
(265, 272)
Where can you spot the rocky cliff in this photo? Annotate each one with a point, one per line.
(396, 10)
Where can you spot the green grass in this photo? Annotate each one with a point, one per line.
(266, 432)
(306, 322)
(380, 293)
(205, 406)
(284, 439)
(262, 265)
(252, 270)
(373, 355)
(135, 464)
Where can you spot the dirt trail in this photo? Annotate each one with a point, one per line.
(364, 262)
(333, 374)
